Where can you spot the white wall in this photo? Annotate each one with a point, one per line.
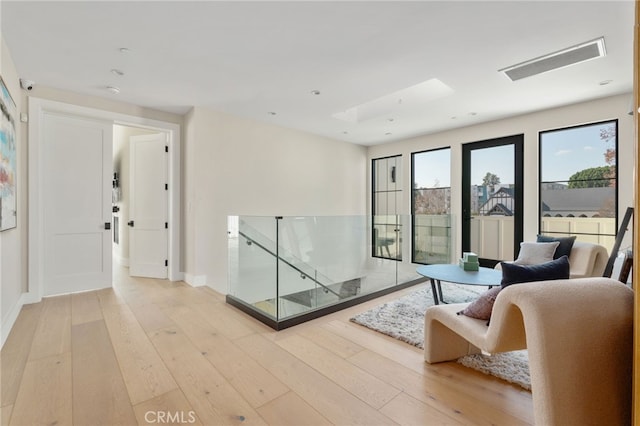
(615, 107)
(13, 246)
(235, 166)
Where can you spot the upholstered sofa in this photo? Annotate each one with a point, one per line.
(578, 333)
(586, 260)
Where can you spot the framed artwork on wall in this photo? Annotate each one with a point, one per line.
(8, 171)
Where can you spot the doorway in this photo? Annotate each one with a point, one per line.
(139, 228)
(41, 168)
(492, 183)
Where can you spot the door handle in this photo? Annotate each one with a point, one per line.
(130, 223)
(107, 225)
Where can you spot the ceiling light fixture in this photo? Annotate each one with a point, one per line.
(125, 50)
(605, 82)
(113, 90)
(271, 113)
(315, 92)
(117, 72)
(562, 58)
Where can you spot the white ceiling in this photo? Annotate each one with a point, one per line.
(253, 58)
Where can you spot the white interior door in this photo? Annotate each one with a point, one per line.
(77, 166)
(148, 206)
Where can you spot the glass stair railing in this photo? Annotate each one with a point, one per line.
(286, 270)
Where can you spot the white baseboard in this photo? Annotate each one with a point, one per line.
(195, 280)
(10, 319)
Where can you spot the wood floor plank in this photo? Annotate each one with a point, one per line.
(436, 391)
(53, 334)
(171, 408)
(337, 344)
(328, 398)
(144, 372)
(99, 393)
(508, 396)
(360, 383)
(408, 411)
(229, 321)
(151, 317)
(217, 296)
(15, 352)
(85, 307)
(377, 342)
(5, 414)
(45, 395)
(109, 296)
(291, 410)
(208, 392)
(254, 383)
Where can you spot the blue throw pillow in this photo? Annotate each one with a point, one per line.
(514, 274)
(563, 249)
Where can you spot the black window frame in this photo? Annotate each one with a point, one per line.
(413, 213)
(398, 226)
(541, 182)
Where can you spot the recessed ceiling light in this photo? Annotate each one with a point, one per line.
(388, 133)
(113, 90)
(125, 50)
(345, 133)
(315, 92)
(271, 113)
(390, 120)
(473, 113)
(605, 82)
(117, 72)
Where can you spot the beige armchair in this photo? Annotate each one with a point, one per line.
(579, 335)
(587, 260)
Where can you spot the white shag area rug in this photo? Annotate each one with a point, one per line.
(403, 319)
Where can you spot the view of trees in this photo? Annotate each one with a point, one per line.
(594, 177)
(490, 180)
(432, 201)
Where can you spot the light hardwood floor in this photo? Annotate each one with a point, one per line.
(155, 352)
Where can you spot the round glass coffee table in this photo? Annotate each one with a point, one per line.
(455, 274)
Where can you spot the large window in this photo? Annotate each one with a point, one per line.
(387, 202)
(578, 182)
(431, 206)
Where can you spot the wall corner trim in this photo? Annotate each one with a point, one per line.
(9, 320)
(195, 280)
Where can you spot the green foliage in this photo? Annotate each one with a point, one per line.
(595, 177)
(490, 179)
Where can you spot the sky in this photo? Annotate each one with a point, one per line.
(432, 166)
(563, 152)
(568, 151)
